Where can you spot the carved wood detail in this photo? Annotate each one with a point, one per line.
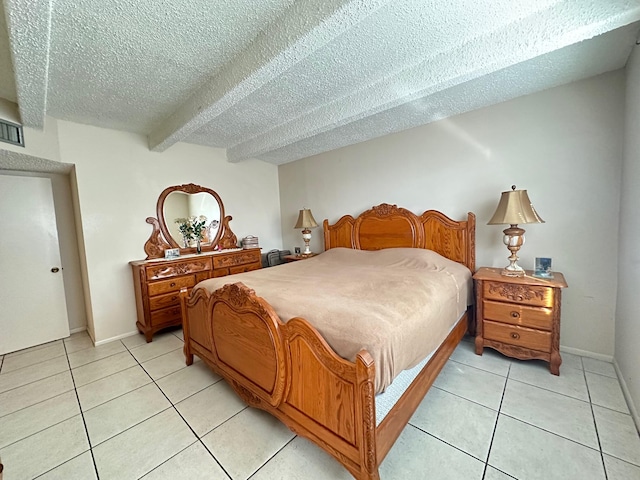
(246, 395)
(516, 293)
(367, 392)
(155, 246)
(228, 239)
(181, 268)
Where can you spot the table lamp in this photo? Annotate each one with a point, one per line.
(514, 208)
(306, 221)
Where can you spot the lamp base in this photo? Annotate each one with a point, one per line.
(513, 239)
(512, 273)
(306, 237)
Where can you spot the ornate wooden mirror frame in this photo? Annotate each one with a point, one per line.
(161, 239)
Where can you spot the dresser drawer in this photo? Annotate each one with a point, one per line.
(244, 268)
(515, 314)
(517, 293)
(172, 285)
(240, 258)
(519, 336)
(177, 268)
(166, 315)
(163, 301)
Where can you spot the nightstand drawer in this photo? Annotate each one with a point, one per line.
(518, 293)
(173, 285)
(518, 336)
(535, 317)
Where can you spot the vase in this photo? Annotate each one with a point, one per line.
(198, 247)
(185, 241)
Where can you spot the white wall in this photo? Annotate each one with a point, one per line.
(627, 339)
(118, 182)
(563, 145)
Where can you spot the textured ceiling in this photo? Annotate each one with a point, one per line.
(281, 80)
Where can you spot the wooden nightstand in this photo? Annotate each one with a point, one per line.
(519, 316)
(295, 258)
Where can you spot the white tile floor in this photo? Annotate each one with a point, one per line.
(129, 410)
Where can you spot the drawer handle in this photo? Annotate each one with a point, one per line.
(515, 315)
(172, 284)
(515, 335)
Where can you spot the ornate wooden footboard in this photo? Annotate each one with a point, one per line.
(289, 370)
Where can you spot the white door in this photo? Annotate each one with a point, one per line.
(33, 309)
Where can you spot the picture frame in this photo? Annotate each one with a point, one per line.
(543, 268)
(171, 253)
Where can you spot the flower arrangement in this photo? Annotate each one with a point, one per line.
(198, 225)
(191, 228)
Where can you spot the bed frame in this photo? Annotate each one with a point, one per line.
(290, 371)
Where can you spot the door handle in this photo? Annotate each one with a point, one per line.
(55, 270)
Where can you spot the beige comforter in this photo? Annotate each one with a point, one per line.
(399, 304)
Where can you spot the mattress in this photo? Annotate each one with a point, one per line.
(399, 304)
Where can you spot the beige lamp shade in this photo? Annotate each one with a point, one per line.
(306, 220)
(515, 208)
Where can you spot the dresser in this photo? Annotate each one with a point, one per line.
(157, 283)
(519, 316)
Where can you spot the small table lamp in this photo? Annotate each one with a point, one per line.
(514, 208)
(306, 221)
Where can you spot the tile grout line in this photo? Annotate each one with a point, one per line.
(84, 422)
(552, 391)
(217, 426)
(595, 424)
(33, 364)
(38, 403)
(551, 433)
(272, 457)
(461, 397)
(19, 353)
(432, 435)
(179, 414)
(495, 427)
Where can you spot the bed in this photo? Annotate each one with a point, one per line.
(289, 369)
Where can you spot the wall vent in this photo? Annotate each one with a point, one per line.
(11, 133)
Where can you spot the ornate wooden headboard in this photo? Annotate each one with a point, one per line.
(388, 226)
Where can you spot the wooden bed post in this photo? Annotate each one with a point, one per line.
(188, 355)
(365, 372)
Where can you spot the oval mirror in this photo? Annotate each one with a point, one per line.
(187, 205)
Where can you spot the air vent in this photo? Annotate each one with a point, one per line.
(11, 133)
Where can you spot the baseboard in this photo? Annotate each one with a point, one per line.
(77, 330)
(627, 396)
(118, 337)
(585, 353)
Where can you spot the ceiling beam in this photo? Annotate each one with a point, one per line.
(29, 28)
(304, 28)
(510, 45)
